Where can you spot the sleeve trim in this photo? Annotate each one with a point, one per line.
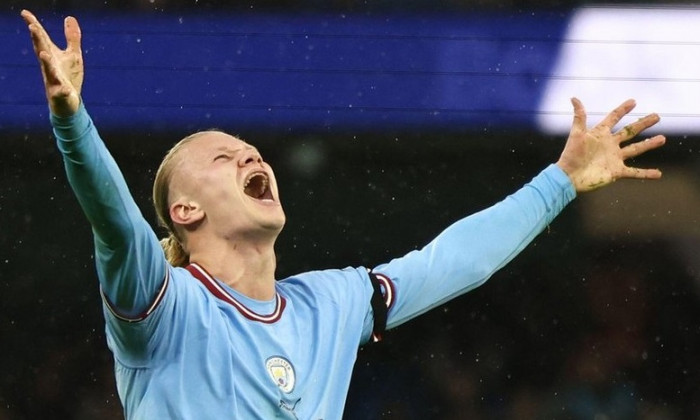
(143, 315)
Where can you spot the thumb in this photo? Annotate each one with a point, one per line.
(71, 29)
(579, 123)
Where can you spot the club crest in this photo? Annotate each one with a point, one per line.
(281, 372)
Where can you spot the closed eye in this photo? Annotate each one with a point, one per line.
(226, 157)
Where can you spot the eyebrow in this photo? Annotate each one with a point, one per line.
(236, 150)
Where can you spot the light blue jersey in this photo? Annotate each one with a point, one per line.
(187, 346)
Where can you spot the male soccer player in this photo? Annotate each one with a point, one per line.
(199, 326)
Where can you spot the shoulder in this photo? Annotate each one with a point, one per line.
(326, 276)
(333, 283)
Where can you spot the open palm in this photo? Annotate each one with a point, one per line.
(595, 157)
(61, 69)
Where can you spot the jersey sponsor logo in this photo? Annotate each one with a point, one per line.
(282, 373)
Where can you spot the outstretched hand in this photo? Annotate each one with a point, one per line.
(593, 158)
(62, 70)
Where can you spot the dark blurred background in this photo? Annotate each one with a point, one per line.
(599, 318)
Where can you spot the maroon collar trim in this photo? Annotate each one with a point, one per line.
(215, 288)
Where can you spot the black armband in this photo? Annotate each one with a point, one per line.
(379, 308)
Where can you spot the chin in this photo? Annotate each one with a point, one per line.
(278, 226)
(275, 224)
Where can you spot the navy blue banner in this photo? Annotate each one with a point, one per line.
(282, 72)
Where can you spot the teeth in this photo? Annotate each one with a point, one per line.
(264, 175)
(259, 187)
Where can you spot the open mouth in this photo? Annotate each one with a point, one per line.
(257, 186)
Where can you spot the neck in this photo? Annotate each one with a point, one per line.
(246, 267)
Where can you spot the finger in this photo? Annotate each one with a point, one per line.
(33, 33)
(49, 68)
(40, 38)
(638, 173)
(71, 29)
(39, 47)
(641, 147)
(43, 54)
(616, 114)
(39, 35)
(631, 130)
(28, 17)
(579, 124)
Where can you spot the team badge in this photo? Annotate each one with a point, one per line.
(281, 372)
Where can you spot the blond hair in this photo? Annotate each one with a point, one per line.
(173, 246)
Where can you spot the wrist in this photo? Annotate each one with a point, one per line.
(65, 106)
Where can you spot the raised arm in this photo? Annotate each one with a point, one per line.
(130, 263)
(468, 252)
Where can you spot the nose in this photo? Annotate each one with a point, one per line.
(249, 156)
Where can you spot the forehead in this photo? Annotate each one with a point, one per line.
(213, 141)
(200, 149)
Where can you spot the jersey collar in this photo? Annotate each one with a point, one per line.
(220, 292)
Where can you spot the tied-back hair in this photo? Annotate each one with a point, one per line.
(174, 252)
(173, 245)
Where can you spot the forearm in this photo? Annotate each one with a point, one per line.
(468, 252)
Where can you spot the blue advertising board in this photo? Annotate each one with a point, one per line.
(286, 72)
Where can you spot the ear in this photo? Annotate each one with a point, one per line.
(186, 212)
